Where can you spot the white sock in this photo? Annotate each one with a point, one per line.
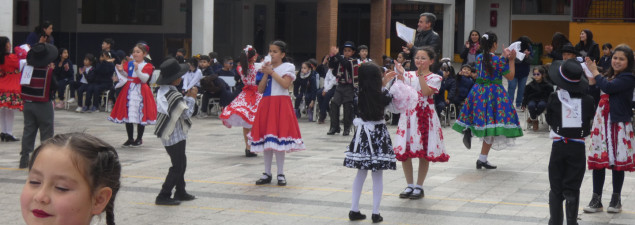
(411, 185)
(378, 188)
(482, 158)
(280, 161)
(268, 155)
(6, 115)
(417, 191)
(358, 183)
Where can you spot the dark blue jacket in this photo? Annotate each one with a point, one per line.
(61, 74)
(104, 72)
(462, 87)
(307, 86)
(620, 92)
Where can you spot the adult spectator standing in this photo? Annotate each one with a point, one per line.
(587, 47)
(522, 72)
(44, 29)
(554, 50)
(37, 96)
(425, 37)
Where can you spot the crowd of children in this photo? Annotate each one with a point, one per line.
(258, 100)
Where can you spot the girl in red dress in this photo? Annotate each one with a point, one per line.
(9, 89)
(135, 104)
(242, 111)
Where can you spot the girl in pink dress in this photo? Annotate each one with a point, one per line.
(419, 131)
(242, 111)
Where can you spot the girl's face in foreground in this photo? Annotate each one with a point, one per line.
(56, 191)
(619, 62)
(422, 61)
(276, 54)
(138, 54)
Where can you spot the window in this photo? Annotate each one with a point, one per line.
(127, 12)
(541, 7)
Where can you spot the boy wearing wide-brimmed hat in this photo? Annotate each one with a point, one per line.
(569, 114)
(345, 70)
(37, 83)
(172, 127)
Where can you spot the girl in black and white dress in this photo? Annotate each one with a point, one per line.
(371, 148)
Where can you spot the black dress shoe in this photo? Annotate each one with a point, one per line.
(356, 216)
(166, 201)
(248, 153)
(377, 218)
(184, 197)
(10, 138)
(487, 165)
(417, 195)
(467, 138)
(24, 161)
(333, 131)
(406, 193)
(282, 181)
(2, 137)
(264, 180)
(347, 131)
(137, 143)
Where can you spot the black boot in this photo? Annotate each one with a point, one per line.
(555, 209)
(333, 130)
(572, 203)
(24, 161)
(347, 131)
(615, 206)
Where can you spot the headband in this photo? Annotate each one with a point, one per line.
(246, 49)
(146, 46)
(486, 36)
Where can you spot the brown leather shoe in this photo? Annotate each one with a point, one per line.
(535, 125)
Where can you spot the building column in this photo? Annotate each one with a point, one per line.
(202, 26)
(326, 27)
(448, 31)
(377, 30)
(6, 19)
(470, 17)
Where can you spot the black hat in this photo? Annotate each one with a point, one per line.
(41, 54)
(568, 47)
(568, 75)
(170, 71)
(350, 44)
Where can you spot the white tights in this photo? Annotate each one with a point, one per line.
(6, 119)
(378, 188)
(279, 161)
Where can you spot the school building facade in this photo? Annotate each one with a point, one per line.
(308, 26)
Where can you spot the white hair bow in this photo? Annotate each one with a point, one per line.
(486, 36)
(247, 48)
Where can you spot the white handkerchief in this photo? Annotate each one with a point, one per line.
(516, 46)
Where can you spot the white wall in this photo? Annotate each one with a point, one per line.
(6, 18)
(174, 21)
(503, 28)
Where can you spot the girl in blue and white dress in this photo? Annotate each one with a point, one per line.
(275, 128)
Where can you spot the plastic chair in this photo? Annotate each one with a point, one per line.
(104, 99)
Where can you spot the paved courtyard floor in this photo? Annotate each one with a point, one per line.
(319, 187)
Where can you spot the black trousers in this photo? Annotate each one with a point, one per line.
(344, 95)
(324, 101)
(567, 165)
(176, 174)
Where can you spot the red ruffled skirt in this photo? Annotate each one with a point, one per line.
(275, 126)
(135, 104)
(242, 111)
(10, 91)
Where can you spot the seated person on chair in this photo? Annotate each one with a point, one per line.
(536, 95)
(463, 83)
(447, 84)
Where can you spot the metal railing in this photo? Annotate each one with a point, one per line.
(604, 10)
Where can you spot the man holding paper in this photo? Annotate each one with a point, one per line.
(425, 37)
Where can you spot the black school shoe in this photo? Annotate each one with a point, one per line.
(377, 218)
(417, 196)
(264, 180)
(248, 153)
(137, 143)
(356, 216)
(282, 181)
(184, 197)
(166, 201)
(406, 192)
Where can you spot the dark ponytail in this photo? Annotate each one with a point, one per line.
(3, 43)
(245, 55)
(283, 48)
(102, 167)
(487, 42)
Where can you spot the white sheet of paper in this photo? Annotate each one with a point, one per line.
(516, 46)
(405, 33)
(27, 73)
(572, 118)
